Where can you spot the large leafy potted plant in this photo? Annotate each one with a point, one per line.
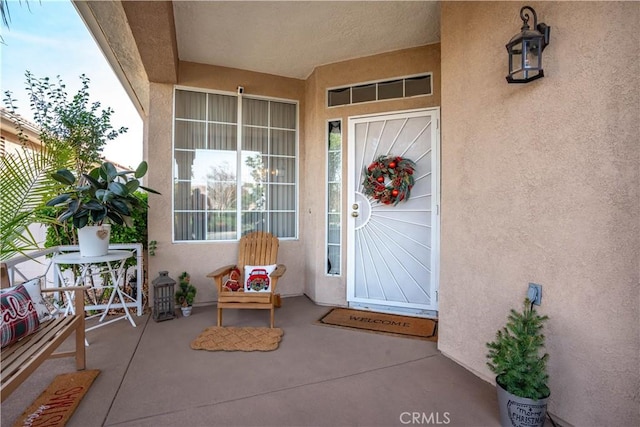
(93, 200)
(521, 370)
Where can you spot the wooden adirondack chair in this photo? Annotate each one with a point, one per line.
(256, 249)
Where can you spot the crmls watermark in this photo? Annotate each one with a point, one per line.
(431, 418)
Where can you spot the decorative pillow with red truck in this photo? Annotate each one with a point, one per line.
(257, 278)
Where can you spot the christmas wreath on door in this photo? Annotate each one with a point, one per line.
(389, 179)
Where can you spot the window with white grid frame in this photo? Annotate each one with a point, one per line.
(235, 166)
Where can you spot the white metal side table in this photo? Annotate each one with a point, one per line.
(110, 266)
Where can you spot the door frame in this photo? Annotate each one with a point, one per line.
(435, 254)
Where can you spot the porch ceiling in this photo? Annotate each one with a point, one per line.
(145, 40)
(291, 38)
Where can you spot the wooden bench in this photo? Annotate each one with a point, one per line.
(22, 358)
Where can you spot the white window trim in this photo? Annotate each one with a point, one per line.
(238, 138)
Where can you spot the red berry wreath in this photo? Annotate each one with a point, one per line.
(389, 179)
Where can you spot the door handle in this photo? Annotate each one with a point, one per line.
(354, 214)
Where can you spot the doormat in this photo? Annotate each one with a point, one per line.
(57, 403)
(391, 324)
(221, 338)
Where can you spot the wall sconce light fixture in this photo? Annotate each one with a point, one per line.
(525, 49)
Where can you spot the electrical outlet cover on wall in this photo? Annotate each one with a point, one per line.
(535, 293)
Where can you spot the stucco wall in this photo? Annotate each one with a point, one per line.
(331, 290)
(305, 258)
(109, 25)
(540, 183)
(201, 258)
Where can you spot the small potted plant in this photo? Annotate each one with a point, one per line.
(521, 371)
(104, 194)
(185, 294)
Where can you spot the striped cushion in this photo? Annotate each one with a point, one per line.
(19, 317)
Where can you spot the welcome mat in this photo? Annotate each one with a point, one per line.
(221, 338)
(392, 324)
(56, 404)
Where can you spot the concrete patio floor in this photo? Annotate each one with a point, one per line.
(318, 376)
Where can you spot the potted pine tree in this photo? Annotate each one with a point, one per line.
(521, 371)
(185, 294)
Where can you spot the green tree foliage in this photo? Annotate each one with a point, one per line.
(4, 12)
(24, 186)
(515, 354)
(221, 183)
(73, 133)
(5, 15)
(74, 123)
(138, 232)
(186, 292)
(253, 191)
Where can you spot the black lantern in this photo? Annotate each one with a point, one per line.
(525, 49)
(163, 300)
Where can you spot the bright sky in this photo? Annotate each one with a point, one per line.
(48, 38)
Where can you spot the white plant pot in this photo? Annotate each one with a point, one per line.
(186, 311)
(94, 240)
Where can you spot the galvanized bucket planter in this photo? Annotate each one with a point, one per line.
(518, 411)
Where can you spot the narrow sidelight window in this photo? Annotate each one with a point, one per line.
(334, 196)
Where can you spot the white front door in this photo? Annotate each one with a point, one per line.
(393, 249)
